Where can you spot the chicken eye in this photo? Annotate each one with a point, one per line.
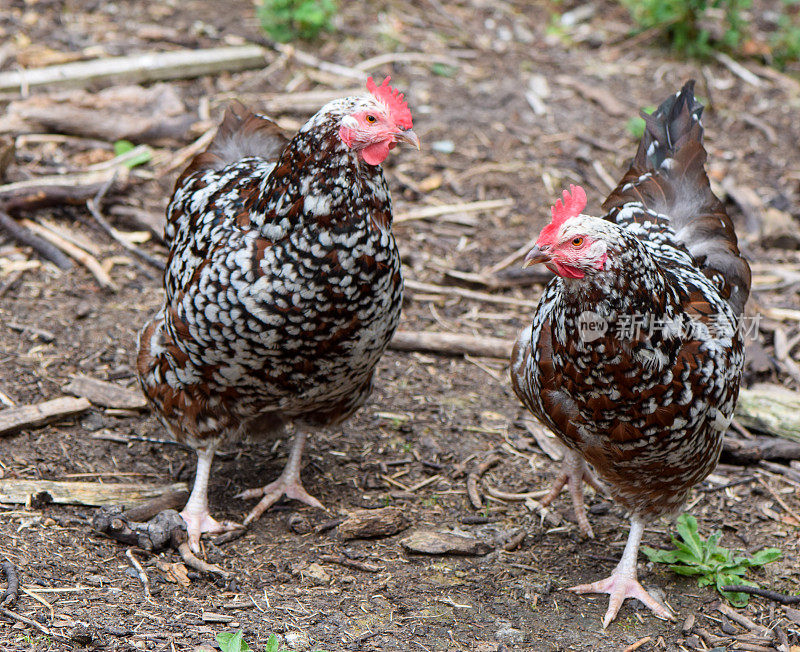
(577, 242)
(371, 118)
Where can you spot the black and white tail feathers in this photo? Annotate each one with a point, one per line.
(668, 177)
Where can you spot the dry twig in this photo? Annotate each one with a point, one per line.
(474, 476)
(11, 594)
(451, 344)
(76, 253)
(15, 419)
(41, 246)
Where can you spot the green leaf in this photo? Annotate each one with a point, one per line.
(123, 147)
(687, 528)
(272, 644)
(232, 642)
(765, 556)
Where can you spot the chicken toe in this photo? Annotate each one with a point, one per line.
(288, 484)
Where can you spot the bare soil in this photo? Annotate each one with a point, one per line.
(430, 416)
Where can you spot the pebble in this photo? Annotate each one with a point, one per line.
(443, 146)
(510, 635)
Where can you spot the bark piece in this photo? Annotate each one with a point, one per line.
(130, 112)
(105, 394)
(771, 409)
(371, 523)
(15, 491)
(431, 542)
(32, 416)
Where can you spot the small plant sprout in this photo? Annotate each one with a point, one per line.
(708, 560)
(234, 642)
(287, 20)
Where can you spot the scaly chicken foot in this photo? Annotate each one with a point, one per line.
(623, 582)
(574, 473)
(195, 513)
(288, 484)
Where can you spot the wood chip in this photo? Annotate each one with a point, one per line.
(20, 492)
(32, 416)
(431, 542)
(371, 523)
(105, 394)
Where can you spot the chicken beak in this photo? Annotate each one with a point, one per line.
(408, 136)
(537, 255)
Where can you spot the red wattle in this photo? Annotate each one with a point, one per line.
(376, 153)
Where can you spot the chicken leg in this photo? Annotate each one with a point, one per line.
(288, 484)
(574, 473)
(623, 582)
(195, 513)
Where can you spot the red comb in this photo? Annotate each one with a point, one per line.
(571, 204)
(393, 99)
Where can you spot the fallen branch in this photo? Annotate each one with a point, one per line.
(780, 598)
(41, 246)
(19, 492)
(752, 451)
(11, 594)
(451, 344)
(136, 68)
(106, 394)
(76, 253)
(771, 409)
(430, 288)
(32, 416)
(428, 212)
(58, 189)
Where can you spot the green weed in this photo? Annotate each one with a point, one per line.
(234, 642)
(287, 20)
(708, 560)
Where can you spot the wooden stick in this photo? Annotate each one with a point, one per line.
(139, 572)
(117, 237)
(60, 189)
(430, 288)
(405, 57)
(76, 253)
(190, 559)
(15, 491)
(39, 245)
(451, 344)
(780, 598)
(315, 62)
(474, 476)
(32, 416)
(106, 394)
(11, 593)
(512, 257)
(136, 68)
(428, 212)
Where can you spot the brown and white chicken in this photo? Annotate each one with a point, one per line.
(283, 285)
(635, 354)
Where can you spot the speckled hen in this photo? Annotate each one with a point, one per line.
(283, 285)
(635, 353)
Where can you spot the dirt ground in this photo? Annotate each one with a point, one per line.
(511, 102)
